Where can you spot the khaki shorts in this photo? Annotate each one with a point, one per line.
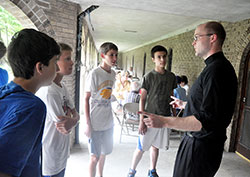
(157, 137)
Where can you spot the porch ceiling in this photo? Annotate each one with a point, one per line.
(133, 23)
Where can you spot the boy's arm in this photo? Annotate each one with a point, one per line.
(142, 126)
(63, 123)
(28, 125)
(87, 114)
(67, 122)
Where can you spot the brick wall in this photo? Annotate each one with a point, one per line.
(62, 15)
(184, 61)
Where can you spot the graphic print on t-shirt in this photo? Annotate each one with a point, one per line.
(106, 93)
(65, 106)
(105, 89)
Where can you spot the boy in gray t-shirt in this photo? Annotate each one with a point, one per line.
(157, 87)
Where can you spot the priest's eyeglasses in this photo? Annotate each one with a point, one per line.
(200, 35)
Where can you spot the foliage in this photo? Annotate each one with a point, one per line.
(8, 25)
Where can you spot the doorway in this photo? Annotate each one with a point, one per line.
(243, 132)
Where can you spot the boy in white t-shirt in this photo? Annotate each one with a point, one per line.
(61, 118)
(98, 111)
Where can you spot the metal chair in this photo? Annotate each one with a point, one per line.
(130, 121)
(117, 111)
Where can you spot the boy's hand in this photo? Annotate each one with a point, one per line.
(142, 127)
(152, 120)
(177, 103)
(66, 124)
(87, 130)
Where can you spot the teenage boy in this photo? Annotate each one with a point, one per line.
(157, 87)
(179, 93)
(32, 56)
(61, 118)
(98, 111)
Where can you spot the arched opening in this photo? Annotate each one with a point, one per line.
(242, 143)
(17, 12)
(8, 27)
(26, 14)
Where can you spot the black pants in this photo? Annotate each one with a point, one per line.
(198, 158)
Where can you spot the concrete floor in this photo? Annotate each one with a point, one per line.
(118, 163)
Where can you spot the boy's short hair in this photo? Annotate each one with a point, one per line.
(64, 46)
(158, 48)
(178, 79)
(184, 79)
(107, 46)
(27, 47)
(2, 49)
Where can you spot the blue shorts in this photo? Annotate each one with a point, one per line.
(101, 142)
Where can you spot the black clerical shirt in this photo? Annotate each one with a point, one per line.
(212, 98)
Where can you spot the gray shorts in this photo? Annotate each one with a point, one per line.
(101, 142)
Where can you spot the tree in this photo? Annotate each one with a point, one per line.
(8, 25)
